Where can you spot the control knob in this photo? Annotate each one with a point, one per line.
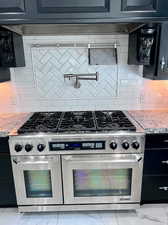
(125, 145)
(28, 147)
(113, 145)
(18, 147)
(41, 147)
(135, 145)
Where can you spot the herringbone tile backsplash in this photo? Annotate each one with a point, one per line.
(50, 64)
(40, 86)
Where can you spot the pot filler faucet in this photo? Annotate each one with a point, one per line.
(88, 76)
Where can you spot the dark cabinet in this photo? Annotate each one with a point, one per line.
(7, 189)
(72, 6)
(143, 44)
(144, 10)
(11, 49)
(155, 189)
(162, 62)
(97, 11)
(150, 50)
(79, 11)
(156, 162)
(71, 11)
(155, 173)
(4, 74)
(159, 69)
(139, 5)
(12, 6)
(12, 11)
(157, 142)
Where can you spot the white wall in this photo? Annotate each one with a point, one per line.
(40, 85)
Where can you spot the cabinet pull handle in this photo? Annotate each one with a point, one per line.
(165, 162)
(166, 141)
(163, 188)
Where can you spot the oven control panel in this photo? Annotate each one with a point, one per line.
(101, 144)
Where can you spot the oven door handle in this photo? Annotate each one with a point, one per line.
(138, 159)
(84, 159)
(29, 162)
(46, 160)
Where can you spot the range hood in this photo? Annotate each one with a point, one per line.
(73, 29)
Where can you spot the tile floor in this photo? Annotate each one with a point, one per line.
(146, 215)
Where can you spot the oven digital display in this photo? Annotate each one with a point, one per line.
(85, 145)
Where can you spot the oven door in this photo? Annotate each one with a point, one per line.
(103, 178)
(37, 180)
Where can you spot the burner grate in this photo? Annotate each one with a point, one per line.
(71, 122)
(77, 121)
(41, 122)
(113, 120)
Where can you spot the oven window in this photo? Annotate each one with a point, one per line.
(38, 183)
(104, 182)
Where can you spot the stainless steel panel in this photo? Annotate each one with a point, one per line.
(91, 207)
(118, 137)
(117, 161)
(30, 163)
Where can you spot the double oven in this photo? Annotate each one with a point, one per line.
(74, 173)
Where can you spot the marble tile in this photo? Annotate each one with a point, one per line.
(87, 218)
(155, 214)
(146, 215)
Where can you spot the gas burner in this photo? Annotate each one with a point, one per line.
(41, 122)
(113, 120)
(71, 122)
(77, 121)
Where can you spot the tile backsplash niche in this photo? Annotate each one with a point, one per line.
(40, 86)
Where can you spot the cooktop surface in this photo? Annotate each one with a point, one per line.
(81, 121)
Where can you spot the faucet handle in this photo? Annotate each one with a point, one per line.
(97, 76)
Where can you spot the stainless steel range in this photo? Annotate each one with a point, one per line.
(78, 161)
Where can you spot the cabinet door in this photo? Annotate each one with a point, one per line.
(143, 10)
(70, 11)
(155, 189)
(72, 6)
(7, 189)
(156, 141)
(156, 162)
(139, 5)
(12, 11)
(12, 6)
(162, 73)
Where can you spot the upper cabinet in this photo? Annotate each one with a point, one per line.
(97, 11)
(139, 5)
(144, 10)
(12, 6)
(81, 11)
(11, 49)
(148, 47)
(72, 6)
(71, 11)
(12, 10)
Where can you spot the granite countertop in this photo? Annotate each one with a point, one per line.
(11, 121)
(152, 121)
